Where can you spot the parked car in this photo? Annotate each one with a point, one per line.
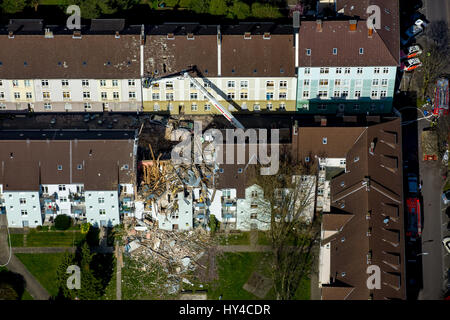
(411, 64)
(446, 197)
(414, 219)
(410, 52)
(413, 31)
(446, 243)
(413, 184)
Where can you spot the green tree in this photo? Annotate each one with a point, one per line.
(260, 10)
(91, 287)
(63, 222)
(218, 7)
(62, 275)
(13, 6)
(239, 10)
(199, 6)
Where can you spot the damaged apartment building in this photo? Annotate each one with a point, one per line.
(362, 221)
(89, 176)
(320, 64)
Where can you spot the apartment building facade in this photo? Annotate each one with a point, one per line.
(79, 176)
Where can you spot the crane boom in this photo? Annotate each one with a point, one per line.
(214, 101)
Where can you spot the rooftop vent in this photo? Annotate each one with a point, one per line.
(10, 35)
(266, 35)
(352, 25)
(190, 36)
(370, 32)
(319, 25)
(48, 33)
(76, 34)
(117, 36)
(247, 35)
(170, 36)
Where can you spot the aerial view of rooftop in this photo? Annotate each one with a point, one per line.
(219, 157)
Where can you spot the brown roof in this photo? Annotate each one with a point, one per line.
(62, 57)
(371, 186)
(337, 34)
(26, 164)
(336, 293)
(165, 56)
(258, 57)
(309, 142)
(335, 222)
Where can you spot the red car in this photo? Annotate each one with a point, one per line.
(414, 220)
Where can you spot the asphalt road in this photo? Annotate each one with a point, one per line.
(436, 10)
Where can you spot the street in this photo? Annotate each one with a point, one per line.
(437, 10)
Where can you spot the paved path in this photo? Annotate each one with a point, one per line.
(43, 249)
(33, 287)
(119, 261)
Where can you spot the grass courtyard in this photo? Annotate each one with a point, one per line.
(47, 239)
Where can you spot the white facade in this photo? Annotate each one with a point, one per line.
(253, 212)
(102, 208)
(178, 220)
(23, 209)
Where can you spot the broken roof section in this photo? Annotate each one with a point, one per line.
(98, 164)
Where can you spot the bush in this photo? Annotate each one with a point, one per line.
(214, 224)
(63, 222)
(38, 228)
(260, 10)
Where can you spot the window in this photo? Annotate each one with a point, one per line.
(338, 70)
(60, 167)
(358, 82)
(307, 70)
(335, 51)
(322, 107)
(356, 159)
(207, 107)
(102, 212)
(356, 107)
(44, 83)
(283, 84)
(230, 95)
(1, 83)
(101, 200)
(66, 95)
(282, 96)
(80, 166)
(244, 84)
(383, 94)
(169, 85)
(306, 82)
(307, 159)
(169, 96)
(323, 94)
(324, 140)
(2, 95)
(47, 106)
(244, 95)
(62, 199)
(87, 106)
(375, 82)
(155, 96)
(308, 52)
(115, 95)
(194, 107)
(344, 94)
(269, 106)
(323, 82)
(193, 96)
(385, 70)
(376, 70)
(324, 70)
(104, 95)
(26, 83)
(102, 83)
(359, 70)
(64, 83)
(282, 107)
(337, 82)
(306, 94)
(361, 50)
(131, 83)
(347, 70)
(384, 82)
(16, 95)
(374, 94)
(337, 94)
(358, 94)
(269, 95)
(85, 83)
(115, 83)
(231, 83)
(23, 212)
(132, 95)
(86, 95)
(270, 84)
(46, 95)
(256, 107)
(23, 201)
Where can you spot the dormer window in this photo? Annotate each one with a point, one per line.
(324, 140)
(308, 52)
(334, 51)
(361, 50)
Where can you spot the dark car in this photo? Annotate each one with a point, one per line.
(413, 184)
(414, 219)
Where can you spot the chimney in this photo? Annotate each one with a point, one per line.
(170, 36)
(117, 36)
(353, 24)
(323, 122)
(370, 32)
(10, 35)
(190, 36)
(319, 25)
(247, 35)
(76, 35)
(48, 33)
(266, 35)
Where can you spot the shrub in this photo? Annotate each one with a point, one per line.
(38, 228)
(63, 222)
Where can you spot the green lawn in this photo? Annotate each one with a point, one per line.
(53, 239)
(16, 240)
(242, 238)
(110, 290)
(264, 238)
(43, 266)
(236, 268)
(26, 296)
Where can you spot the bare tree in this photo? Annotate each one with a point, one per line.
(293, 229)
